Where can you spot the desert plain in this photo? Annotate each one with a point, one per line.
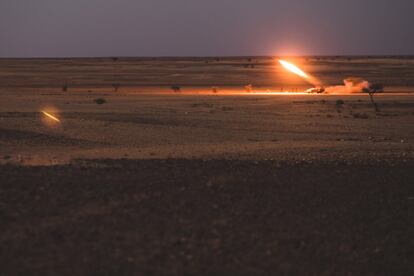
(205, 166)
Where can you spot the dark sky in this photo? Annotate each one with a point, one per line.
(52, 28)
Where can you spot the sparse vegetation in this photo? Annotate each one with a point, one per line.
(65, 88)
(360, 116)
(371, 90)
(176, 88)
(203, 104)
(339, 105)
(100, 101)
(226, 108)
(214, 89)
(116, 86)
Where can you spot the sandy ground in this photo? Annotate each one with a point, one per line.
(203, 184)
(202, 126)
(208, 217)
(153, 74)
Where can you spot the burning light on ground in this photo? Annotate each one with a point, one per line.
(50, 116)
(293, 68)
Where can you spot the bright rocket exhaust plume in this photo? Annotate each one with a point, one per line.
(50, 116)
(318, 86)
(351, 84)
(293, 68)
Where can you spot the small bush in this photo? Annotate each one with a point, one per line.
(65, 88)
(226, 108)
(100, 101)
(340, 103)
(176, 88)
(372, 90)
(360, 116)
(116, 86)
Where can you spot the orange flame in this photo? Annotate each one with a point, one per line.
(51, 116)
(293, 68)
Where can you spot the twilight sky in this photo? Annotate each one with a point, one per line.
(57, 28)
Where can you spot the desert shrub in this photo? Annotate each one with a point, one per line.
(360, 116)
(371, 90)
(176, 88)
(214, 89)
(65, 88)
(203, 104)
(374, 88)
(116, 86)
(100, 101)
(340, 103)
(226, 108)
(248, 88)
(115, 59)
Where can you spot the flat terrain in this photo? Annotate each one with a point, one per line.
(208, 217)
(153, 182)
(137, 75)
(259, 127)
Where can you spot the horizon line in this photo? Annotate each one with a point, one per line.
(208, 56)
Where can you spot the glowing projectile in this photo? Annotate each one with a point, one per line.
(51, 116)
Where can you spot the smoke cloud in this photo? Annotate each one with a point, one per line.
(351, 85)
